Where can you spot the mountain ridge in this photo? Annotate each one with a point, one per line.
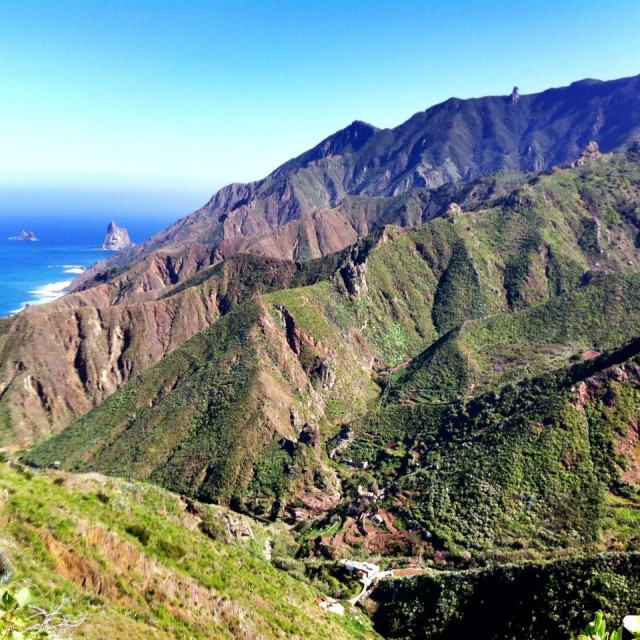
(457, 140)
(495, 277)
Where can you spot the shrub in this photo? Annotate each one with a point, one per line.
(21, 620)
(170, 549)
(103, 497)
(142, 533)
(598, 629)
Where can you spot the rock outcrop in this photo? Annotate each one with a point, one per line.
(25, 235)
(589, 153)
(354, 276)
(116, 239)
(310, 435)
(324, 373)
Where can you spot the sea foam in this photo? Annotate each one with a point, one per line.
(46, 293)
(73, 268)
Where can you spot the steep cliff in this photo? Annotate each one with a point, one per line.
(58, 363)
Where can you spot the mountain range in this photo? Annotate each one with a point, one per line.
(303, 210)
(417, 344)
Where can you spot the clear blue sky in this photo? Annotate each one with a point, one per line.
(185, 96)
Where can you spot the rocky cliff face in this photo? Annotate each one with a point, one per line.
(58, 363)
(116, 239)
(322, 233)
(589, 153)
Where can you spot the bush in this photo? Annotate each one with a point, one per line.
(15, 620)
(598, 629)
(142, 533)
(170, 549)
(103, 497)
(20, 620)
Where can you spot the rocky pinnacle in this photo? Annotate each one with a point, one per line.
(116, 239)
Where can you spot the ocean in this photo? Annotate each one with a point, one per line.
(38, 272)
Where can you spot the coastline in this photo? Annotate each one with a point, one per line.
(51, 291)
(37, 273)
(44, 294)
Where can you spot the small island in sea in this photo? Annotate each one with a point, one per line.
(25, 235)
(117, 238)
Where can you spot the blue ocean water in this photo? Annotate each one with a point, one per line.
(36, 272)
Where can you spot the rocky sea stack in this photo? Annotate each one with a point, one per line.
(25, 235)
(116, 239)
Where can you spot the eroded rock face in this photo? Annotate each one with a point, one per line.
(310, 435)
(354, 276)
(324, 373)
(589, 153)
(116, 239)
(237, 528)
(75, 358)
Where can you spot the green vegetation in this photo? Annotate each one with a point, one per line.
(598, 629)
(131, 558)
(524, 470)
(534, 600)
(16, 623)
(476, 381)
(471, 303)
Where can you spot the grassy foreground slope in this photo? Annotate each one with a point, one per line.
(134, 560)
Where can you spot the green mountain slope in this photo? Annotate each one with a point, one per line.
(60, 360)
(57, 364)
(551, 600)
(478, 301)
(517, 471)
(460, 396)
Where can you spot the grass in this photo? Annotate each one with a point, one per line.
(129, 561)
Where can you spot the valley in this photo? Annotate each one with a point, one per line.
(422, 358)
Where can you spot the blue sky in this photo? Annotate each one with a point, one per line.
(181, 97)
